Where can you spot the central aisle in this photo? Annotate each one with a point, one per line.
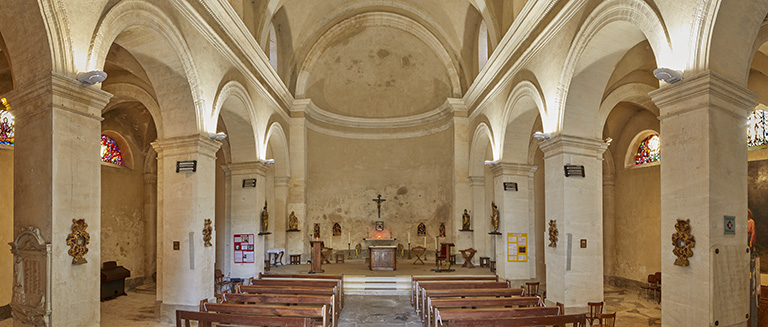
(378, 311)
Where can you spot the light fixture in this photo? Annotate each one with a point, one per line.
(668, 75)
(608, 141)
(217, 136)
(268, 161)
(542, 136)
(490, 163)
(92, 77)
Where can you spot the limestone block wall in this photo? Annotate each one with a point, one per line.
(758, 203)
(414, 175)
(6, 224)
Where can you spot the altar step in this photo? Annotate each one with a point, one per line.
(374, 285)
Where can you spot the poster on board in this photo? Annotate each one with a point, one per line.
(517, 247)
(244, 248)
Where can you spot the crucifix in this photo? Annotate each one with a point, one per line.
(378, 201)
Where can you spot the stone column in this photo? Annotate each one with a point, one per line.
(516, 212)
(281, 216)
(462, 192)
(57, 178)
(244, 214)
(298, 242)
(574, 274)
(150, 224)
(609, 225)
(185, 200)
(479, 218)
(704, 178)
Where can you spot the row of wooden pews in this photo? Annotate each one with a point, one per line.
(452, 301)
(275, 300)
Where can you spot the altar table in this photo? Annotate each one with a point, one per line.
(383, 257)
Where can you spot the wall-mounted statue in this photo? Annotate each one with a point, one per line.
(264, 219)
(293, 222)
(465, 221)
(494, 218)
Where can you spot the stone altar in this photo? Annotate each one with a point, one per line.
(383, 258)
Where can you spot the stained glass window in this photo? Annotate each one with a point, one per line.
(757, 128)
(649, 150)
(7, 123)
(110, 152)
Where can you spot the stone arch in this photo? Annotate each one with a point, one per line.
(489, 16)
(611, 29)
(481, 140)
(31, 52)
(233, 103)
(636, 93)
(124, 92)
(143, 29)
(523, 105)
(125, 147)
(713, 45)
(277, 141)
(369, 19)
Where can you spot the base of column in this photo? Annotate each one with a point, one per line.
(167, 312)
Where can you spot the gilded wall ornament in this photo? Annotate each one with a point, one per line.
(207, 231)
(78, 241)
(553, 233)
(682, 242)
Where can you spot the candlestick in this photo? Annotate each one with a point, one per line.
(425, 241)
(409, 237)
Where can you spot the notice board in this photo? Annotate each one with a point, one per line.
(244, 248)
(517, 247)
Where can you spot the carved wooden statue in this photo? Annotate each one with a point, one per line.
(264, 218)
(494, 217)
(465, 221)
(293, 222)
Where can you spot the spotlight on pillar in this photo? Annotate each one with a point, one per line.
(92, 77)
(608, 141)
(668, 75)
(269, 161)
(217, 136)
(490, 163)
(542, 136)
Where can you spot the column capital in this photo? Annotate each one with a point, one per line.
(246, 168)
(61, 93)
(282, 181)
(185, 145)
(513, 169)
(476, 180)
(574, 145)
(703, 91)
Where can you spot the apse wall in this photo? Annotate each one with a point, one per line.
(414, 175)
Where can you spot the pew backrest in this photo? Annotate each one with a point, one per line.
(416, 279)
(478, 302)
(240, 298)
(576, 320)
(315, 312)
(183, 319)
(451, 315)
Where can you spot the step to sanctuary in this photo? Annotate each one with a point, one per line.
(377, 285)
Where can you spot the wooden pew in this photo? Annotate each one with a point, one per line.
(477, 302)
(239, 298)
(440, 285)
(416, 279)
(472, 292)
(447, 317)
(303, 283)
(319, 314)
(576, 320)
(183, 318)
(338, 278)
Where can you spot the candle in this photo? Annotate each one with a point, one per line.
(409, 237)
(435, 243)
(425, 241)
(348, 240)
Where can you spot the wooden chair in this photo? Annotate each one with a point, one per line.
(326, 255)
(595, 308)
(607, 319)
(443, 257)
(658, 284)
(468, 254)
(418, 252)
(531, 288)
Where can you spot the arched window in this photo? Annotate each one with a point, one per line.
(482, 45)
(7, 123)
(649, 150)
(110, 152)
(757, 128)
(272, 47)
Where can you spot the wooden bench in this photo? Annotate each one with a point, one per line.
(447, 317)
(416, 279)
(443, 285)
(290, 290)
(477, 302)
(318, 314)
(183, 318)
(328, 300)
(473, 292)
(577, 320)
(335, 284)
(339, 278)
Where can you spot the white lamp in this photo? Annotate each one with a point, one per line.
(668, 75)
(92, 77)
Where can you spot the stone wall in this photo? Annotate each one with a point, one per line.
(758, 203)
(6, 224)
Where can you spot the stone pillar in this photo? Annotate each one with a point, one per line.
(185, 200)
(609, 225)
(298, 242)
(57, 178)
(244, 214)
(516, 212)
(462, 192)
(479, 218)
(704, 178)
(575, 274)
(150, 224)
(281, 216)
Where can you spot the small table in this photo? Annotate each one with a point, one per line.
(295, 259)
(418, 252)
(276, 256)
(339, 257)
(484, 262)
(468, 254)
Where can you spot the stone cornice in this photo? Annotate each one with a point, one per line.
(245, 168)
(574, 145)
(186, 145)
(703, 91)
(513, 169)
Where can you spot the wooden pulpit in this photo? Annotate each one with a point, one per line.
(317, 257)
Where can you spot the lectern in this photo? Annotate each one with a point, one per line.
(317, 257)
